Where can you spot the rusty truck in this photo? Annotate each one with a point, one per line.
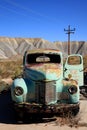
(43, 90)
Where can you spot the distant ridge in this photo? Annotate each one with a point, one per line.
(15, 47)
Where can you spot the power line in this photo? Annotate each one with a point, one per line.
(24, 8)
(11, 10)
(30, 10)
(69, 31)
(16, 12)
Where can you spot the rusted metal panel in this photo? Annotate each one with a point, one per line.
(46, 51)
(42, 109)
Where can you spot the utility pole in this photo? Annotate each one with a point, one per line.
(69, 31)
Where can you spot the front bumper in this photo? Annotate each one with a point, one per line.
(45, 109)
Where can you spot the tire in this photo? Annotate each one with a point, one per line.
(19, 117)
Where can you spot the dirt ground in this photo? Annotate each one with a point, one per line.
(8, 122)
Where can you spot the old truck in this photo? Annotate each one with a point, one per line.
(43, 90)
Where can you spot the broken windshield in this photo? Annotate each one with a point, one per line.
(43, 58)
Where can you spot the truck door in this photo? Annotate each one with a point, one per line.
(74, 68)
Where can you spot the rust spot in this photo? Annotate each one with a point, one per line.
(70, 82)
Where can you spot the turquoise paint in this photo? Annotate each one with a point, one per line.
(40, 75)
(30, 90)
(21, 83)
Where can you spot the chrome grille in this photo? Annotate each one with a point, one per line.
(45, 92)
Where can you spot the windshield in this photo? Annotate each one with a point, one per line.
(74, 60)
(43, 58)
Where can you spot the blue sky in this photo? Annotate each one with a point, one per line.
(43, 19)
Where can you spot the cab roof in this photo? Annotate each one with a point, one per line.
(47, 51)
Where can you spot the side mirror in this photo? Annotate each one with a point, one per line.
(85, 69)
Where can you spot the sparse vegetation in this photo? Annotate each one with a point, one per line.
(10, 68)
(68, 119)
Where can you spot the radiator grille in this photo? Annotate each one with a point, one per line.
(45, 92)
(63, 96)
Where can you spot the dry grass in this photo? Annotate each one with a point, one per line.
(69, 120)
(10, 68)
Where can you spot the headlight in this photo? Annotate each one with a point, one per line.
(72, 89)
(18, 91)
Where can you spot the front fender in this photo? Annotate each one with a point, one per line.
(20, 82)
(73, 98)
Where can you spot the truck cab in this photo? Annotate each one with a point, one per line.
(43, 90)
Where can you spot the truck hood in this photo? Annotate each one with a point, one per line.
(43, 71)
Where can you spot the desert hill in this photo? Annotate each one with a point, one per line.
(15, 47)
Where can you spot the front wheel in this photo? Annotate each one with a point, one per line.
(19, 116)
